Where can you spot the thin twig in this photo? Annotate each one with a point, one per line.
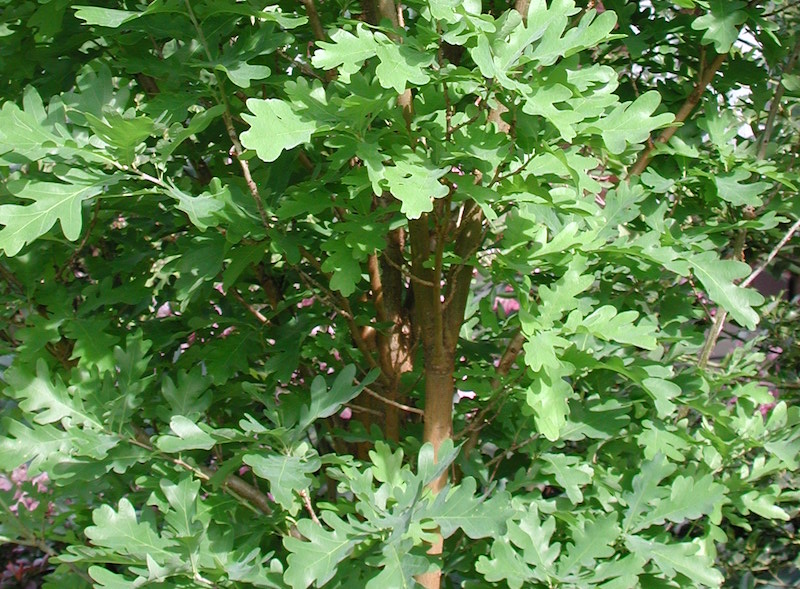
(721, 316)
(763, 141)
(255, 312)
(405, 272)
(309, 507)
(754, 274)
(227, 118)
(83, 242)
(383, 399)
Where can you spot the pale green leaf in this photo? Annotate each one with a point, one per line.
(721, 24)
(401, 66)
(314, 560)
(188, 436)
(399, 566)
(121, 531)
(682, 557)
(717, 277)
(345, 51)
(105, 17)
(460, 508)
(632, 122)
(592, 540)
(731, 188)
(689, 499)
(202, 209)
(286, 474)
(415, 185)
(274, 128)
(53, 201)
(243, 73)
(645, 489)
(570, 474)
(548, 396)
(325, 402)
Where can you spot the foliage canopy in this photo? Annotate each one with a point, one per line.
(381, 295)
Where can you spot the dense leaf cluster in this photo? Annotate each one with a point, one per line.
(325, 294)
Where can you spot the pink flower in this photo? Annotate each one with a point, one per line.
(508, 305)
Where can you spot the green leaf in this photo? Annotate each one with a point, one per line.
(105, 17)
(325, 403)
(202, 209)
(190, 396)
(401, 66)
(415, 185)
(198, 124)
(120, 531)
(122, 134)
(346, 51)
(399, 566)
(645, 489)
(721, 24)
(539, 554)
(188, 436)
(46, 446)
(662, 391)
(592, 540)
(315, 559)
(275, 127)
(659, 438)
(50, 402)
(542, 102)
(53, 201)
(570, 473)
(460, 508)
(762, 503)
(683, 558)
(108, 580)
(548, 396)
(731, 189)
(632, 123)
(592, 29)
(606, 324)
(286, 474)
(92, 342)
(344, 267)
(541, 349)
(22, 132)
(243, 73)
(689, 499)
(386, 465)
(717, 277)
(182, 499)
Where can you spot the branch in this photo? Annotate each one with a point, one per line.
(754, 274)
(82, 244)
(774, 106)
(313, 18)
(383, 399)
(406, 273)
(227, 117)
(722, 315)
(691, 102)
(232, 483)
(255, 312)
(309, 508)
